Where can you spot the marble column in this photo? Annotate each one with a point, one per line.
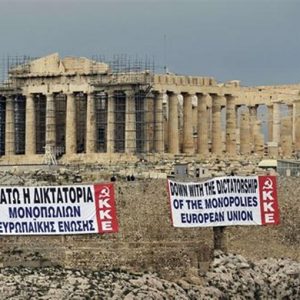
(216, 146)
(202, 125)
(236, 108)
(258, 139)
(30, 128)
(71, 126)
(166, 125)
(296, 125)
(291, 114)
(130, 126)
(195, 122)
(286, 136)
(188, 140)
(110, 138)
(276, 122)
(9, 127)
(244, 133)
(270, 122)
(209, 126)
(158, 132)
(90, 124)
(293, 123)
(237, 127)
(252, 121)
(230, 125)
(50, 121)
(173, 132)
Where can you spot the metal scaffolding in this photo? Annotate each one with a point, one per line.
(19, 123)
(125, 109)
(60, 103)
(12, 104)
(81, 117)
(101, 102)
(40, 123)
(140, 120)
(2, 125)
(134, 127)
(20, 64)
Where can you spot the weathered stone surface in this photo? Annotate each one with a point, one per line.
(229, 276)
(146, 240)
(266, 279)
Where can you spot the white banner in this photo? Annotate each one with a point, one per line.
(57, 210)
(224, 201)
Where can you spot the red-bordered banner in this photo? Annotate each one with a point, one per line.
(224, 201)
(54, 210)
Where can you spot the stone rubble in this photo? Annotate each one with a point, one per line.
(141, 169)
(265, 279)
(40, 176)
(230, 277)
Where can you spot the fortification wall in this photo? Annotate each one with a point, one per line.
(146, 240)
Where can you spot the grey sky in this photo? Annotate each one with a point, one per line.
(256, 41)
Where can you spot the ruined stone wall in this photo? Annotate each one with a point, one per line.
(146, 240)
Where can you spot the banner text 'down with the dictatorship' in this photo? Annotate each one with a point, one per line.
(224, 201)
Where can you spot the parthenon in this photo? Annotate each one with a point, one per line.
(80, 107)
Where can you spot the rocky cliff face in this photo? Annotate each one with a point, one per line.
(230, 277)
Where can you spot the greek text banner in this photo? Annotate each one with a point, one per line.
(53, 210)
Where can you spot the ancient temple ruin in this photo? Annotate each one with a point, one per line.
(77, 107)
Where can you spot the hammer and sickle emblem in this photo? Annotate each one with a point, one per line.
(268, 184)
(104, 192)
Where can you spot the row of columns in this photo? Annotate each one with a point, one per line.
(282, 130)
(250, 128)
(285, 131)
(70, 136)
(203, 119)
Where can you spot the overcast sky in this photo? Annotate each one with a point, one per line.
(255, 41)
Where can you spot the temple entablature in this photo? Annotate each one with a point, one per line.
(57, 88)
